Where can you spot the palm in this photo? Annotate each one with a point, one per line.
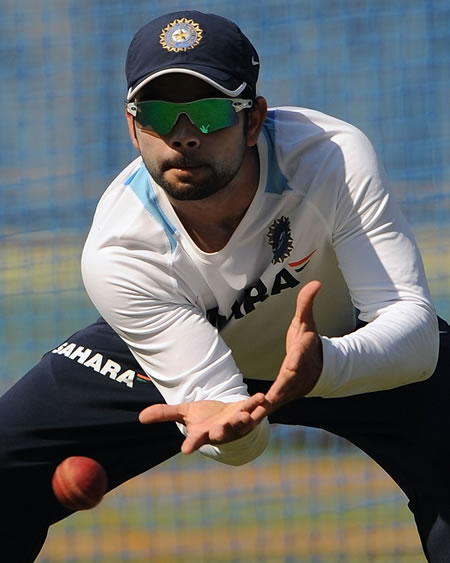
(208, 422)
(302, 364)
(214, 422)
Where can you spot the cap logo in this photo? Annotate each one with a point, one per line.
(180, 35)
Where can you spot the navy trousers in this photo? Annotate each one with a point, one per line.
(84, 397)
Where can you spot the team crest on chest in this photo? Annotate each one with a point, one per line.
(280, 239)
(180, 35)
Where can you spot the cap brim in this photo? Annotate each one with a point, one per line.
(220, 80)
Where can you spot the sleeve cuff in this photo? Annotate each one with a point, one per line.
(240, 451)
(321, 387)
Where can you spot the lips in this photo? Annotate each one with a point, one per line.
(182, 165)
(188, 167)
(186, 171)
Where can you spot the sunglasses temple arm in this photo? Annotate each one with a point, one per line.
(132, 109)
(240, 104)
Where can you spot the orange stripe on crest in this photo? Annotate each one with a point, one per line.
(302, 261)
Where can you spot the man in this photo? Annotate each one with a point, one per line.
(233, 218)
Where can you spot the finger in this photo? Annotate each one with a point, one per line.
(194, 441)
(243, 414)
(252, 402)
(161, 413)
(241, 423)
(262, 410)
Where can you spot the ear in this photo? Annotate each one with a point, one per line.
(132, 129)
(256, 117)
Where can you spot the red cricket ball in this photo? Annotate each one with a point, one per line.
(79, 483)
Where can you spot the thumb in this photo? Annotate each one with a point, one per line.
(305, 300)
(162, 413)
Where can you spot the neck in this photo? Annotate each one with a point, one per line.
(211, 222)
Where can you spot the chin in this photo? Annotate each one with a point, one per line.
(193, 193)
(189, 191)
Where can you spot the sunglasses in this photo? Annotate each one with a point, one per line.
(210, 114)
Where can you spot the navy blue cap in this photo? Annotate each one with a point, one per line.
(207, 46)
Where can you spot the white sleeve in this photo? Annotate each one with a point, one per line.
(171, 339)
(383, 270)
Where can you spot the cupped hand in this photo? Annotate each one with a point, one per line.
(214, 422)
(303, 362)
(209, 422)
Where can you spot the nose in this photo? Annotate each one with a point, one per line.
(184, 134)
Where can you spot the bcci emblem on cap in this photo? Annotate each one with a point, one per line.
(181, 35)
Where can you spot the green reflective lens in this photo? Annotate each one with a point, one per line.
(209, 115)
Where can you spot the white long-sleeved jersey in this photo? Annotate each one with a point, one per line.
(199, 322)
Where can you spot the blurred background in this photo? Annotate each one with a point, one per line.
(382, 65)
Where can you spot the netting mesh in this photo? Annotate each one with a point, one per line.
(380, 64)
